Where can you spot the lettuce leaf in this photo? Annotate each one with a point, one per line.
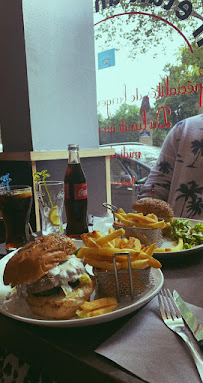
(191, 235)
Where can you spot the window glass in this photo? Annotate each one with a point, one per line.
(149, 68)
(136, 169)
(117, 171)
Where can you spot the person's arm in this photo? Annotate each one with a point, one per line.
(158, 182)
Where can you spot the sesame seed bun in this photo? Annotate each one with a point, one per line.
(35, 259)
(153, 205)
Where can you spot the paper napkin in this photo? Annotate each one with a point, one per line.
(146, 347)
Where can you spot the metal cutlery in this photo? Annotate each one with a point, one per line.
(173, 320)
(192, 322)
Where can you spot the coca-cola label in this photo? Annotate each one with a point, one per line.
(80, 191)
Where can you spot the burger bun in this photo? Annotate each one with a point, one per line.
(150, 205)
(60, 306)
(35, 259)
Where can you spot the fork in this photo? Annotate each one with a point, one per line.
(173, 319)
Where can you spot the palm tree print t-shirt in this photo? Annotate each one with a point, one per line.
(177, 176)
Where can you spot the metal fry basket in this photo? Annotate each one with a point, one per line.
(146, 236)
(121, 283)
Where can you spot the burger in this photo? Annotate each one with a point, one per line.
(51, 279)
(150, 205)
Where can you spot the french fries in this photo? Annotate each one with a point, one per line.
(107, 238)
(104, 310)
(97, 252)
(88, 241)
(98, 303)
(113, 241)
(96, 235)
(151, 249)
(97, 307)
(140, 218)
(107, 252)
(149, 221)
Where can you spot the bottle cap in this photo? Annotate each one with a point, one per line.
(73, 147)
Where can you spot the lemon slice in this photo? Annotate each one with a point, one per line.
(54, 216)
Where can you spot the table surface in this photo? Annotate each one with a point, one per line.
(68, 353)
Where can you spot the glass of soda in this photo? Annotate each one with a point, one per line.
(15, 206)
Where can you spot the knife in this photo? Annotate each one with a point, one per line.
(192, 322)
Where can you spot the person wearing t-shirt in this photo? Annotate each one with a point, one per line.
(177, 177)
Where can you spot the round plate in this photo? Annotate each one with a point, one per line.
(126, 307)
(168, 242)
(105, 223)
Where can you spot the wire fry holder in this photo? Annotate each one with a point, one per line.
(111, 207)
(122, 284)
(129, 273)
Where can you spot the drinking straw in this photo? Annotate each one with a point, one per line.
(40, 177)
(44, 175)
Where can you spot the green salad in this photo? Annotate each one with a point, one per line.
(191, 235)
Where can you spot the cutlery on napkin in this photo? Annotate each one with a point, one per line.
(145, 347)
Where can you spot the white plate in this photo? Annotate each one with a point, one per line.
(168, 242)
(123, 309)
(105, 223)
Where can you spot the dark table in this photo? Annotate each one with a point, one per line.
(67, 354)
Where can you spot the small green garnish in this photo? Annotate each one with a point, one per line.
(40, 176)
(76, 251)
(191, 235)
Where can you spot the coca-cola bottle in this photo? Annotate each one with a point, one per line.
(75, 195)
